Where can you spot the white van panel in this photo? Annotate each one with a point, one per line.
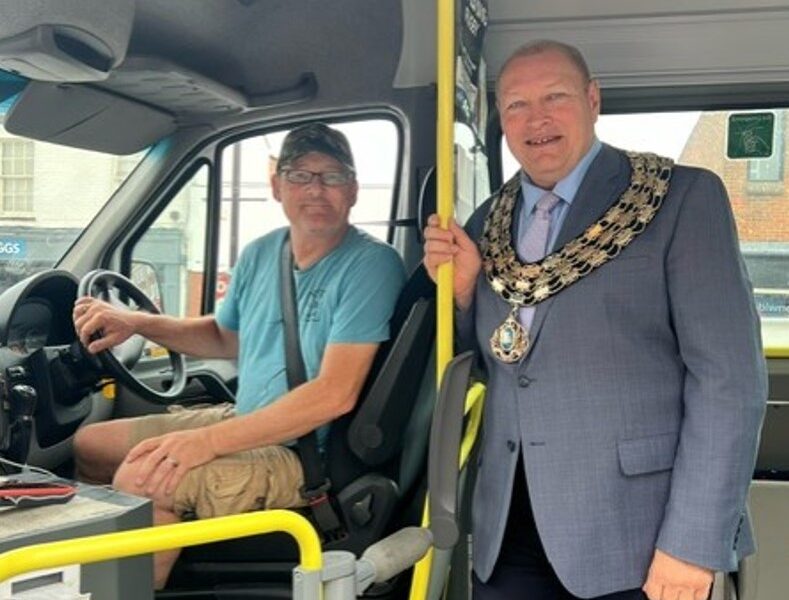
(639, 43)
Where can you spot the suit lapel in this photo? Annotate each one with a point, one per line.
(607, 177)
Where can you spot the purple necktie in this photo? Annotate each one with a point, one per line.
(532, 244)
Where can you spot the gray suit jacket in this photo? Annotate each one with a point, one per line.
(638, 408)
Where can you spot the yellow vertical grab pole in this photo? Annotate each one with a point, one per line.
(445, 174)
(445, 62)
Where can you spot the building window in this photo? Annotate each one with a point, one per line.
(16, 177)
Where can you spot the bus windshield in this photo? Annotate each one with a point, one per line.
(48, 195)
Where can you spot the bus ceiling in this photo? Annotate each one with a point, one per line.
(228, 61)
(174, 66)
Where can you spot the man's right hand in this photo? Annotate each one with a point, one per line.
(113, 325)
(443, 245)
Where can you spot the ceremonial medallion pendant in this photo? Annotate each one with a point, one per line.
(510, 340)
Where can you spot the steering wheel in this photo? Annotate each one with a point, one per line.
(118, 361)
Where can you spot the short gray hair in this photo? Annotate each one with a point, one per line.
(536, 47)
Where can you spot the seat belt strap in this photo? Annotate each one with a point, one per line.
(316, 485)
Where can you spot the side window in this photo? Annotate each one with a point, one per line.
(167, 261)
(249, 209)
(757, 188)
(472, 184)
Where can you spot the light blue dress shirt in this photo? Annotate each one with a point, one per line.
(566, 189)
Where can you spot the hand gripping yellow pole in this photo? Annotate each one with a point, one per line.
(445, 61)
(153, 539)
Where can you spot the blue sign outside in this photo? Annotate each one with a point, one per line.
(11, 248)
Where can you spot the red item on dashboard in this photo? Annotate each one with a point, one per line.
(22, 493)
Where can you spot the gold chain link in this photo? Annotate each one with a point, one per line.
(526, 284)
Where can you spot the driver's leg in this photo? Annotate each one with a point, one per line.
(99, 449)
(163, 514)
(262, 478)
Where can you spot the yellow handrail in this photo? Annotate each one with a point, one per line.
(106, 546)
(445, 110)
(445, 175)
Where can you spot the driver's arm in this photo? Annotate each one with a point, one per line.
(196, 336)
(328, 396)
(331, 394)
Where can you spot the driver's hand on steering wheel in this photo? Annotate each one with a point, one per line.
(101, 325)
(165, 460)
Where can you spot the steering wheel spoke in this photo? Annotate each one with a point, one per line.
(120, 360)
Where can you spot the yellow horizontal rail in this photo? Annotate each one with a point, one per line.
(776, 352)
(106, 546)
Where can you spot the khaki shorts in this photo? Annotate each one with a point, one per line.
(261, 478)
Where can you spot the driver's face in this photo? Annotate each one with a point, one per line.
(315, 209)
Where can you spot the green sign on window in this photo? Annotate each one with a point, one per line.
(750, 135)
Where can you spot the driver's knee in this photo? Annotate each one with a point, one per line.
(125, 480)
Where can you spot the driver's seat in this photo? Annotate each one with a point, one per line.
(376, 458)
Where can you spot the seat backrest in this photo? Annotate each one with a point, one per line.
(373, 482)
(371, 437)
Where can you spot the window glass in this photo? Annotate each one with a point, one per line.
(123, 166)
(249, 210)
(757, 188)
(472, 185)
(48, 194)
(167, 261)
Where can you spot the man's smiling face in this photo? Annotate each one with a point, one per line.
(548, 112)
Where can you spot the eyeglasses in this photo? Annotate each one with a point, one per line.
(328, 178)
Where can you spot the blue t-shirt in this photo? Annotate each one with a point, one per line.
(348, 296)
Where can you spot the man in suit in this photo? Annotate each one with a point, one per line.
(626, 382)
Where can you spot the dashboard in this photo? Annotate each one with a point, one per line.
(40, 376)
(30, 326)
(36, 312)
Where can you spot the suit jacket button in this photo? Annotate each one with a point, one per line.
(523, 381)
(511, 445)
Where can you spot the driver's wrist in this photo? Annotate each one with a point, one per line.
(140, 322)
(212, 441)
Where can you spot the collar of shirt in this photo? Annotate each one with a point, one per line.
(566, 189)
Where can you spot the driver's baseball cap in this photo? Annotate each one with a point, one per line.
(315, 137)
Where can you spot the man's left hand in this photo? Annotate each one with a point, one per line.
(164, 460)
(670, 578)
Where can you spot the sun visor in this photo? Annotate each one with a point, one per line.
(75, 41)
(85, 117)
